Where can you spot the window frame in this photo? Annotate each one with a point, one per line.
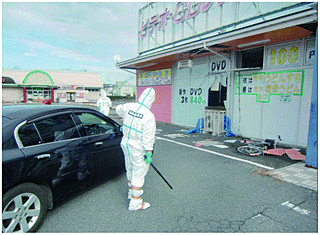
(32, 121)
(76, 120)
(79, 122)
(242, 53)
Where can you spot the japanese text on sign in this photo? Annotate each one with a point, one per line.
(188, 10)
(265, 84)
(155, 78)
(193, 97)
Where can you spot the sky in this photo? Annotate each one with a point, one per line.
(70, 36)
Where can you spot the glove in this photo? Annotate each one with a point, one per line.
(148, 157)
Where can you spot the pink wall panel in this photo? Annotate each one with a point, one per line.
(161, 107)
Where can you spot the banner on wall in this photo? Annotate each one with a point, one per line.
(284, 55)
(155, 78)
(262, 85)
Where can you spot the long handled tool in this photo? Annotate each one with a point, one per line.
(159, 173)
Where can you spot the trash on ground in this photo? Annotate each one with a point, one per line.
(243, 141)
(291, 153)
(276, 152)
(211, 143)
(197, 129)
(295, 155)
(227, 127)
(173, 136)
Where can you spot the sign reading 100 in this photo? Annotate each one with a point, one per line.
(284, 56)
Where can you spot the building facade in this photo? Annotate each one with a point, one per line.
(254, 60)
(57, 86)
(123, 89)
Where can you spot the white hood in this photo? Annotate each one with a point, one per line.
(147, 97)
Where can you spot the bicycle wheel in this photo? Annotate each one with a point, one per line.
(252, 151)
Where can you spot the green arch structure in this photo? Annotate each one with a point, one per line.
(37, 71)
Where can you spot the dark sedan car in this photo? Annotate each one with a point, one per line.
(49, 153)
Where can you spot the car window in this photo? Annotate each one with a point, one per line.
(28, 135)
(56, 128)
(94, 125)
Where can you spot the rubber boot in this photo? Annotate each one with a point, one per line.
(136, 202)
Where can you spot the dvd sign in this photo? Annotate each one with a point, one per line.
(218, 66)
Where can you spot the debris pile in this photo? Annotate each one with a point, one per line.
(291, 153)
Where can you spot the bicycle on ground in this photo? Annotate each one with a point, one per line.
(256, 147)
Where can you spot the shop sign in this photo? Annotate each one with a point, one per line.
(155, 78)
(262, 85)
(183, 11)
(219, 66)
(192, 96)
(80, 95)
(70, 87)
(284, 55)
(311, 51)
(61, 95)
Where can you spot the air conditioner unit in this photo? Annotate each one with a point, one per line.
(185, 64)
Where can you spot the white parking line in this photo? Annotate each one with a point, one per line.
(296, 208)
(216, 153)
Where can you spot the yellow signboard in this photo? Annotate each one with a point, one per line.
(276, 83)
(155, 78)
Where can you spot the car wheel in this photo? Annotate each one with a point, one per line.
(23, 208)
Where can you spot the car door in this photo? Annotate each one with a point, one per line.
(104, 137)
(56, 153)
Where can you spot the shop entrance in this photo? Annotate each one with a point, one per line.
(38, 94)
(71, 96)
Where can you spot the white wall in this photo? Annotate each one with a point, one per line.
(12, 95)
(263, 118)
(190, 92)
(285, 114)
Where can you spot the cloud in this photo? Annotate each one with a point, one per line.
(116, 74)
(82, 35)
(82, 21)
(30, 54)
(58, 52)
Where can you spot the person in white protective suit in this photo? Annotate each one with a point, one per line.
(104, 104)
(139, 127)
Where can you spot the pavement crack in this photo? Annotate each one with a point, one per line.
(260, 216)
(194, 224)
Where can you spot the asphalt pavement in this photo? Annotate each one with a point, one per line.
(215, 189)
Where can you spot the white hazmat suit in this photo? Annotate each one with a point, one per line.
(104, 104)
(139, 129)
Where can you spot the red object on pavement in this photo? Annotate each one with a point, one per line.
(295, 155)
(46, 102)
(292, 153)
(276, 152)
